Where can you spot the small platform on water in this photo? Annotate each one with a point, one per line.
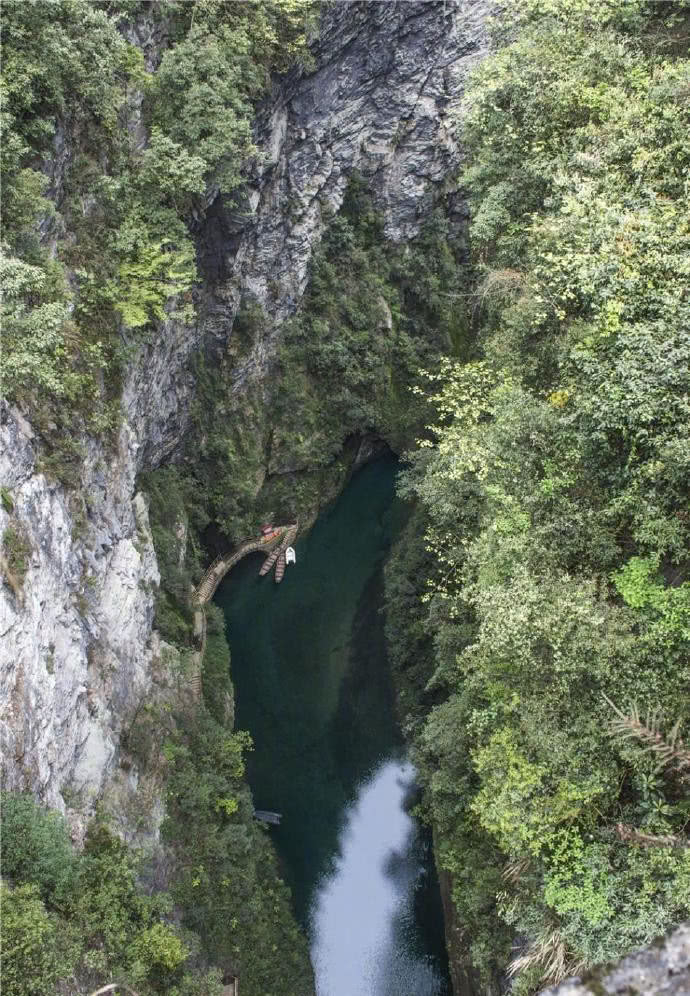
(266, 816)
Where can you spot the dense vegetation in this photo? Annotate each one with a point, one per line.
(72, 921)
(224, 876)
(120, 120)
(372, 316)
(554, 498)
(106, 158)
(539, 604)
(77, 919)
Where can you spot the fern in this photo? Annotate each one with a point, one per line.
(669, 748)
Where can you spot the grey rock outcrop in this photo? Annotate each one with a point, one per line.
(75, 639)
(660, 970)
(383, 102)
(76, 652)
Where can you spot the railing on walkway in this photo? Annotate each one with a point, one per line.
(217, 570)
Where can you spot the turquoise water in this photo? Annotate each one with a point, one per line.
(313, 687)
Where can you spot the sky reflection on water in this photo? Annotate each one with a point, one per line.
(314, 689)
(362, 919)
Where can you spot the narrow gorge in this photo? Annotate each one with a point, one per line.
(410, 275)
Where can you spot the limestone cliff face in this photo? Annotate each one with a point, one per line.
(660, 970)
(382, 102)
(77, 645)
(76, 638)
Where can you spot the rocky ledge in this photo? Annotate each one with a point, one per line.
(660, 970)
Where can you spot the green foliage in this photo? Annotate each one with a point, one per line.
(101, 250)
(36, 952)
(555, 491)
(35, 846)
(226, 879)
(640, 586)
(83, 916)
(16, 551)
(409, 635)
(144, 284)
(64, 63)
(216, 684)
(201, 99)
(171, 502)
(371, 317)
(372, 314)
(39, 336)
(158, 953)
(228, 446)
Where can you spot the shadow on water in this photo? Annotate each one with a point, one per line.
(314, 689)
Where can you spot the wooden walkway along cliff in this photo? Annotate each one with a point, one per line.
(275, 544)
(284, 536)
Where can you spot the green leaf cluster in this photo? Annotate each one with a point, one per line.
(554, 492)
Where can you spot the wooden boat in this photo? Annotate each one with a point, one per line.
(267, 816)
(269, 562)
(280, 567)
(290, 555)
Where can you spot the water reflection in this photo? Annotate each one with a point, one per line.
(362, 920)
(314, 689)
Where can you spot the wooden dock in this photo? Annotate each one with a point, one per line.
(276, 543)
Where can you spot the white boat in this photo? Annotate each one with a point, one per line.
(290, 556)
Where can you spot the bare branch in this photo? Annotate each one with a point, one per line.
(630, 835)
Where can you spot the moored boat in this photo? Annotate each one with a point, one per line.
(269, 562)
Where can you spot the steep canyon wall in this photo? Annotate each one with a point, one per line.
(78, 647)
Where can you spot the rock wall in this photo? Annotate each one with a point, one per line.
(660, 970)
(382, 101)
(77, 649)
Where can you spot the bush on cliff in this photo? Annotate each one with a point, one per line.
(81, 916)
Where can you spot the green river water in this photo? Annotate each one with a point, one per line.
(313, 688)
